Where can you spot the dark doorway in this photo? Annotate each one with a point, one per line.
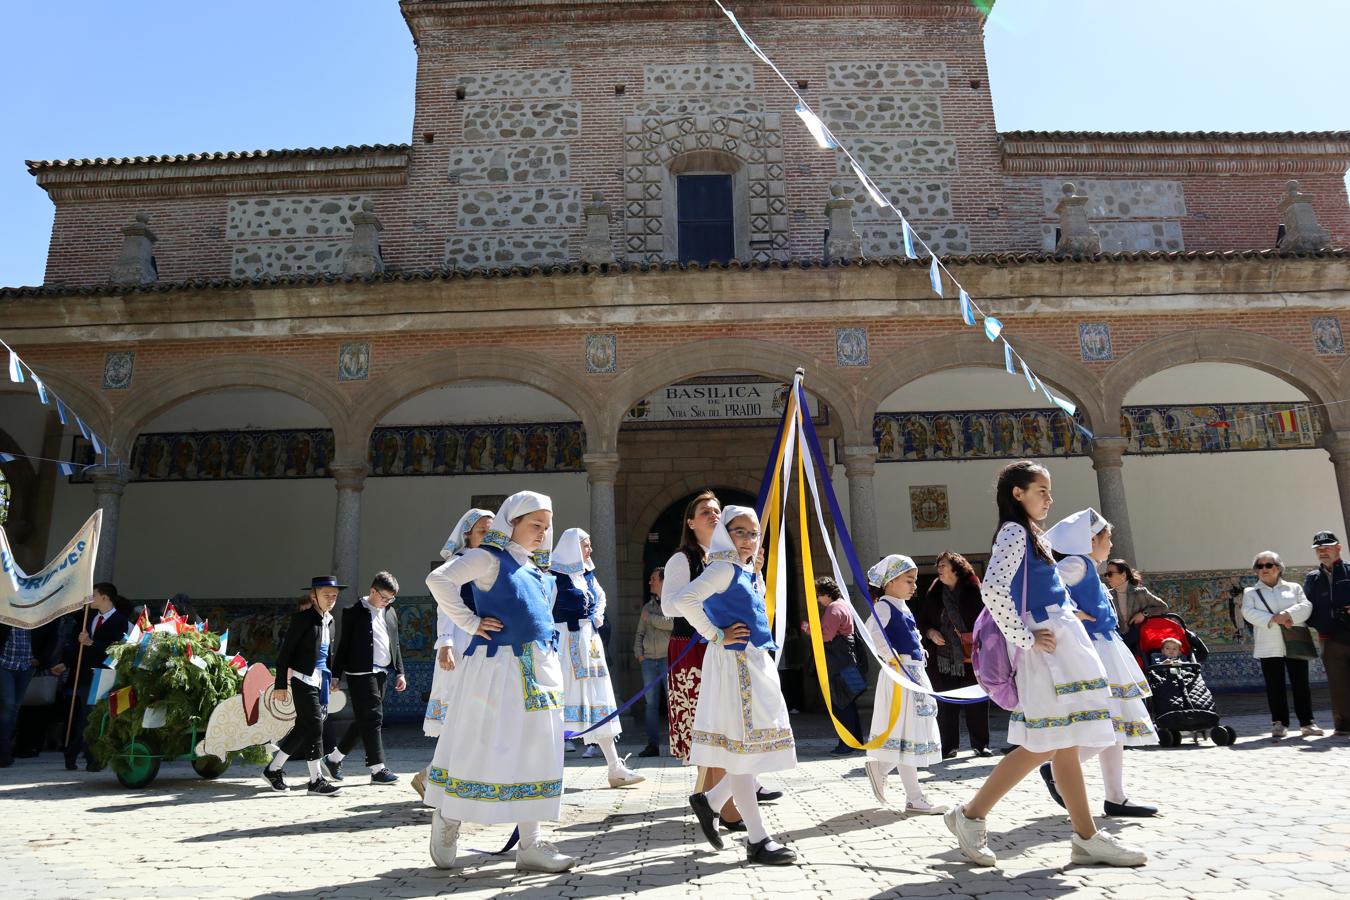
(707, 231)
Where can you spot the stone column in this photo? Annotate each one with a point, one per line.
(1107, 453)
(1077, 237)
(136, 262)
(601, 470)
(842, 240)
(109, 483)
(860, 464)
(351, 480)
(1337, 445)
(363, 256)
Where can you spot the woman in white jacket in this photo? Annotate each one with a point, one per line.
(1267, 605)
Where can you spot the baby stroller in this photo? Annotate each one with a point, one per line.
(1181, 703)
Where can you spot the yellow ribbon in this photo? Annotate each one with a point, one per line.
(772, 509)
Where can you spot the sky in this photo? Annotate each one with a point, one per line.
(89, 78)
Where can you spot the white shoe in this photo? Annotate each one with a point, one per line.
(921, 807)
(444, 841)
(1103, 849)
(1277, 730)
(1312, 730)
(591, 752)
(543, 857)
(971, 836)
(876, 773)
(624, 776)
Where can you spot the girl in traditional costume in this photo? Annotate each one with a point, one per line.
(503, 760)
(578, 610)
(914, 741)
(1084, 541)
(741, 722)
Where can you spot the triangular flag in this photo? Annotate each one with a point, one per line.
(100, 685)
(992, 328)
(93, 439)
(41, 389)
(1031, 379)
(134, 635)
(155, 716)
(60, 409)
(66, 468)
(15, 369)
(967, 309)
(935, 276)
(1063, 404)
(824, 139)
(238, 662)
(224, 641)
(84, 429)
(1008, 359)
(908, 235)
(872, 191)
(7, 457)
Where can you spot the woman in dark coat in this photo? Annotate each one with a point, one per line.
(948, 612)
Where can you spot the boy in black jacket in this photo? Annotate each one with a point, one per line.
(303, 675)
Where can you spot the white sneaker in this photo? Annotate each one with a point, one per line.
(921, 807)
(444, 841)
(1277, 730)
(591, 752)
(876, 773)
(1103, 849)
(624, 776)
(543, 857)
(1312, 730)
(971, 836)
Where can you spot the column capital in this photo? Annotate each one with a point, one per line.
(349, 476)
(109, 479)
(601, 466)
(1106, 452)
(860, 460)
(1337, 444)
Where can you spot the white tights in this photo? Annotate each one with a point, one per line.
(909, 777)
(606, 745)
(741, 788)
(1112, 761)
(529, 834)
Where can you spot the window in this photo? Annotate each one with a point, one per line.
(707, 226)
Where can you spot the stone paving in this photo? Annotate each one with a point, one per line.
(1258, 819)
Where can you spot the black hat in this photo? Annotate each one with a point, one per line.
(322, 581)
(1325, 539)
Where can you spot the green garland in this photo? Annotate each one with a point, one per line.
(165, 677)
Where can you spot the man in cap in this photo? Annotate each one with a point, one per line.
(1328, 587)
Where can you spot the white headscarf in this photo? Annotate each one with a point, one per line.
(723, 547)
(567, 555)
(520, 504)
(889, 569)
(1073, 535)
(459, 535)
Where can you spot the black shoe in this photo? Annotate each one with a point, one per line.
(91, 766)
(764, 796)
(841, 749)
(649, 751)
(732, 826)
(783, 856)
(949, 754)
(1135, 810)
(332, 770)
(983, 751)
(71, 764)
(323, 787)
(707, 819)
(384, 776)
(1048, 776)
(274, 778)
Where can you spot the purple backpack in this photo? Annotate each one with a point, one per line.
(995, 664)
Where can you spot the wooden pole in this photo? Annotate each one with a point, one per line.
(75, 694)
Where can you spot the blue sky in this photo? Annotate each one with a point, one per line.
(89, 78)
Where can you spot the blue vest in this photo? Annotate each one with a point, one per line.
(902, 631)
(519, 599)
(572, 605)
(1044, 586)
(1091, 596)
(741, 603)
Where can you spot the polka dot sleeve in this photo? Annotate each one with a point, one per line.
(1010, 547)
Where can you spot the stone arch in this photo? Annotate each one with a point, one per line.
(425, 373)
(651, 143)
(732, 355)
(971, 349)
(1299, 370)
(168, 390)
(78, 397)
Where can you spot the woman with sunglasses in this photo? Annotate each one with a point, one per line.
(1134, 602)
(1267, 605)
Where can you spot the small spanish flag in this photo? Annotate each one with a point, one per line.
(120, 701)
(1286, 421)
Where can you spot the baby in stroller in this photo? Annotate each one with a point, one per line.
(1171, 655)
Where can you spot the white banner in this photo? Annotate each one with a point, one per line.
(746, 401)
(63, 585)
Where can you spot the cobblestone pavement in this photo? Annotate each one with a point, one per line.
(1258, 819)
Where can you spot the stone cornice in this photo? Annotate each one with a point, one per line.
(1056, 153)
(590, 301)
(216, 174)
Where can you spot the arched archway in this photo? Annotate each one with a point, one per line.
(78, 397)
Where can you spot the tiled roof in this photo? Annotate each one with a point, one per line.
(448, 274)
(37, 165)
(1176, 135)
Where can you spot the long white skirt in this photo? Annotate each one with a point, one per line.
(1063, 695)
(741, 722)
(588, 695)
(915, 740)
(1129, 687)
(438, 701)
(503, 759)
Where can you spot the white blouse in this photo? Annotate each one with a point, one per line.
(674, 581)
(717, 577)
(601, 601)
(477, 566)
(1010, 548)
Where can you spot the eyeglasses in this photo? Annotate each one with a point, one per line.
(1266, 566)
(387, 598)
(742, 534)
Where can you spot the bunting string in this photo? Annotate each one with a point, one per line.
(21, 372)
